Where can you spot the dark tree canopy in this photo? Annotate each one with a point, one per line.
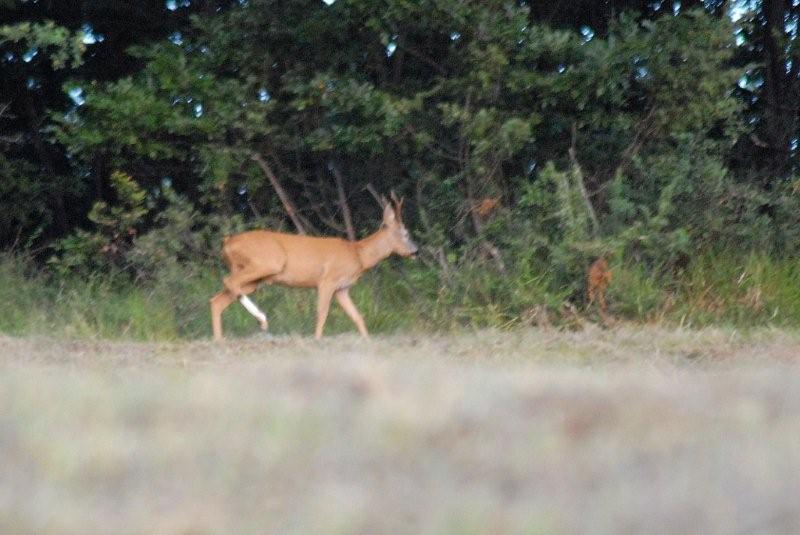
(600, 125)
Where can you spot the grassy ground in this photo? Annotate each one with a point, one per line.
(735, 290)
(529, 431)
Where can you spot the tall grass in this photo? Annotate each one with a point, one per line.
(755, 290)
(23, 297)
(741, 291)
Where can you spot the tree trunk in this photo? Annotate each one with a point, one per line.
(779, 115)
(47, 161)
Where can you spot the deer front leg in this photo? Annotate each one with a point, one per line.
(324, 296)
(343, 296)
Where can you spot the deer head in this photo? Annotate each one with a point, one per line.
(393, 226)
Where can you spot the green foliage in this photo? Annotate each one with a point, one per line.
(614, 142)
(115, 230)
(127, 213)
(33, 190)
(64, 48)
(558, 211)
(23, 196)
(182, 239)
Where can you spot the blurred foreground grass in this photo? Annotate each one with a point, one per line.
(527, 431)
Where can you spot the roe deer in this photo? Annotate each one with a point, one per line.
(331, 265)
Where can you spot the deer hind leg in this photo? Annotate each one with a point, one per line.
(238, 285)
(223, 299)
(343, 296)
(218, 304)
(247, 272)
(244, 281)
(237, 282)
(251, 307)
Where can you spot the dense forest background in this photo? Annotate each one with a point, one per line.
(528, 138)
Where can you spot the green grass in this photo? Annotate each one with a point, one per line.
(723, 289)
(757, 290)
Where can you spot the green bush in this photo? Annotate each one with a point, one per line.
(157, 284)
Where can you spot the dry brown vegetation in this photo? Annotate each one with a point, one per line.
(531, 431)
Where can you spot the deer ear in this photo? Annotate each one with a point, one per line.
(389, 216)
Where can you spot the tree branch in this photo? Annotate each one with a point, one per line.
(346, 215)
(372, 191)
(643, 131)
(299, 221)
(573, 156)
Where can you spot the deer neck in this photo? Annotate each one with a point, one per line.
(373, 249)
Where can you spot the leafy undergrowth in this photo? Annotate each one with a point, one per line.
(725, 290)
(528, 431)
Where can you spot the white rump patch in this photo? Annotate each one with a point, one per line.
(252, 308)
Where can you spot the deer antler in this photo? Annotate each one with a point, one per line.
(398, 204)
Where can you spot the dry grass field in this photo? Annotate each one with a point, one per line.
(629, 430)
